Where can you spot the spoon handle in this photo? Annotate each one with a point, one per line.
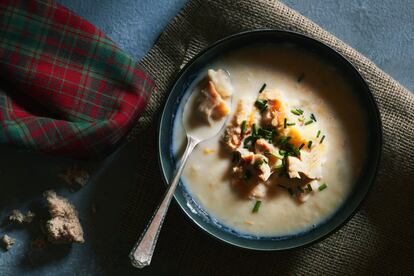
(143, 250)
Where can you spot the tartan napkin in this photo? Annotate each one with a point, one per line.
(65, 88)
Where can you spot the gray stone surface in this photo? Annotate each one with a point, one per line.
(382, 30)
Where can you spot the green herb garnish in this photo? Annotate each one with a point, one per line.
(313, 117)
(309, 122)
(322, 187)
(319, 133)
(283, 140)
(249, 140)
(261, 105)
(301, 146)
(284, 123)
(291, 124)
(258, 163)
(266, 134)
(282, 152)
(291, 192)
(281, 186)
(254, 130)
(296, 151)
(262, 88)
(243, 127)
(309, 144)
(301, 77)
(256, 206)
(300, 189)
(297, 111)
(323, 138)
(309, 188)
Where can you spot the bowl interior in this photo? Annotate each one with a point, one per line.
(196, 212)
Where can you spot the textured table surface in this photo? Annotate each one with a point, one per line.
(382, 30)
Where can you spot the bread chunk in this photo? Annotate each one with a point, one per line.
(64, 225)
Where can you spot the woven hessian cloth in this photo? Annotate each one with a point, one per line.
(377, 240)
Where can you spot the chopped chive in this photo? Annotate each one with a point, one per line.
(301, 77)
(313, 117)
(309, 188)
(266, 134)
(291, 192)
(296, 151)
(301, 146)
(261, 105)
(297, 111)
(264, 160)
(322, 187)
(281, 186)
(319, 133)
(282, 152)
(284, 123)
(291, 124)
(249, 140)
(254, 130)
(308, 122)
(256, 206)
(284, 139)
(262, 88)
(309, 144)
(323, 138)
(258, 163)
(243, 127)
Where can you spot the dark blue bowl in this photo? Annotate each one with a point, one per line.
(249, 39)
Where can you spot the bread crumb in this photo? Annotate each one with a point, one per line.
(7, 242)
(208, 151)
(18, 217)
(64, 225)
(75, 177)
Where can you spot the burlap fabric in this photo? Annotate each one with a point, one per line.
(379, 239)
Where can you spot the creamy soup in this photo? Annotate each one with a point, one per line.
(318, 103)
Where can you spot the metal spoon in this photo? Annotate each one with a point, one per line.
(143, 250)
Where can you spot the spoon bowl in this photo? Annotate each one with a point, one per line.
(143, 250)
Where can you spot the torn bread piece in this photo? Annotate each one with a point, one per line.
(16, 216)
(7, 242)
(75, 177)
(64, 225)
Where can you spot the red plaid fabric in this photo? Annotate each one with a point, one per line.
(65, 88)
